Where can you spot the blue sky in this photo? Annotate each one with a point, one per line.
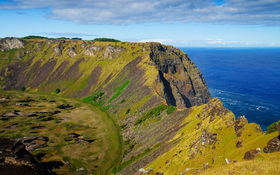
(182, 23)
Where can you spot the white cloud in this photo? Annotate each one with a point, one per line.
(221, 41)
(266, 12)
(163, 41)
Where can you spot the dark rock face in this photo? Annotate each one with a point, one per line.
(249, 155)
(184, 85)
(272, 146)
(15, 159)
(239, 124)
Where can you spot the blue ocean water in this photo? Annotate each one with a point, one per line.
(247, 80)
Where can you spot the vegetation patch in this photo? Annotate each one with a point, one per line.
(34, 37)
(107, 39)
(272, 128)
(151, 113)
(96, 99)
(119, 90)
(170, 109)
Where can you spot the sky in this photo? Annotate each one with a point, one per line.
(181, 23)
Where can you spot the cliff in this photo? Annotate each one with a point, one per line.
(154, 92)
(81, 68)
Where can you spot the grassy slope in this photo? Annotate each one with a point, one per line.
(261, 165)
(41, 52)
(178, 159)
(98, 157)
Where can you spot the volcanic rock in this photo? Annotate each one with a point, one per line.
(15, 159)
(272, 146)
(249, 155)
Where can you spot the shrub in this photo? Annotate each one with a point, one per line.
(22, 89)
(77, 38)
(272, 128)
(128, 110)
(63, 38)
(57, 91)
(34, 37)
(106, 39)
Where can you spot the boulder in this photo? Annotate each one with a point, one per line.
(249, 155)
(272, 146)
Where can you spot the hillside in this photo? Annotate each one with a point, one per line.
(155, 93)
(62, 133)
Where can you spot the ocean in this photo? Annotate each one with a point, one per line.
(247, 80)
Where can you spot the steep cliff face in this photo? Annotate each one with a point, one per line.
(183, 83)
(81, 68)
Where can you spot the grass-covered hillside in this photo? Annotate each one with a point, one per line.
(210, 137)
(64, 134)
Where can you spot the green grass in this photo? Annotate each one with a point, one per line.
(119, 91)
(91, 122)
(95, 99)
(170, 109)
(272, 128)
(152, 112)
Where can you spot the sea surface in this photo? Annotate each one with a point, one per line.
(247, 80)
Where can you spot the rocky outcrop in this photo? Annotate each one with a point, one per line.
(72, 52)
(57, 50)
(92, 50)
(208, 138)
(184, 85)
(52, 41)
(15, 159)
(249, 155)
(111, 52)
(239, 124)
(10, 43)
(273, 145)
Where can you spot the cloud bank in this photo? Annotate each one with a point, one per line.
(119, 12)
